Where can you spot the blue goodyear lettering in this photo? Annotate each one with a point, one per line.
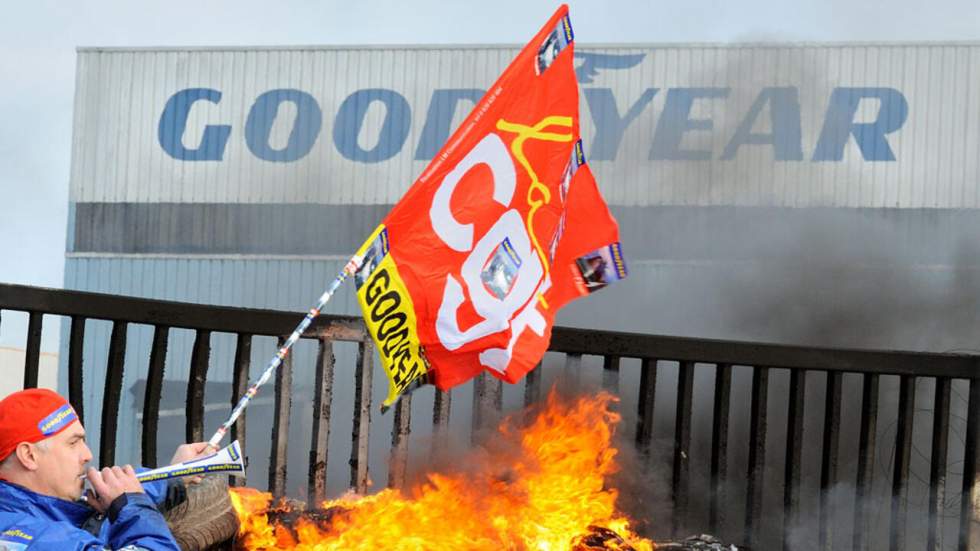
(394, 129)
(609, 125)
(676, 120)
(784, 112)
(439, 119)
(173, 123)
(306, 126)
(839, 124)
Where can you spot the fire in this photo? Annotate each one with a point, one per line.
(549, 495)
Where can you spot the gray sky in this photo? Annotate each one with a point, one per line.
(38, 41)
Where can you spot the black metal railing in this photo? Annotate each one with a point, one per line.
(781, 384)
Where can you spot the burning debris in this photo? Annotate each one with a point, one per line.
(605, 539)
(554, 495)
(701, 542)
(601, 538)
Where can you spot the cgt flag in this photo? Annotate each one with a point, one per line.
(504, 227)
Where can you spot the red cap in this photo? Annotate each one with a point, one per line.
(32, 415)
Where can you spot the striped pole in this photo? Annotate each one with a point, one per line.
(352, 266)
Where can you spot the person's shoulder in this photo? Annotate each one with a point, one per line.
(23, 531)
(14, 497)
(13, 501)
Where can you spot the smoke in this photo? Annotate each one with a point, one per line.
(644, 485)
(852, 279)
(844, 278)
(804, 254)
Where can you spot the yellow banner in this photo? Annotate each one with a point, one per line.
(390, 316)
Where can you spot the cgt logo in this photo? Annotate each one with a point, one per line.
(515, 310)
(780, 105)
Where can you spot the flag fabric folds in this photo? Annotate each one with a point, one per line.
(504, 227)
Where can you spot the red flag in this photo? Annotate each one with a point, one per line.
(504, 227)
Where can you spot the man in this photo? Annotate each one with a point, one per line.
(43, 456)
(593, 272)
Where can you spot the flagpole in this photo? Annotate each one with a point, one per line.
(350, 268)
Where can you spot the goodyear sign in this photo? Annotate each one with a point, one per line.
(390, 316)
(677, 121)
(57, 420)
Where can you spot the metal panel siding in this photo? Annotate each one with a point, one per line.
(322, 176)
(252, 283)
(121, 95)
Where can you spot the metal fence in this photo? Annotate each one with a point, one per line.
(780, 399)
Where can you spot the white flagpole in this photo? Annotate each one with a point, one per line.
(350, 268)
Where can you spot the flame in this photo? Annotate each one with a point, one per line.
(551, 496)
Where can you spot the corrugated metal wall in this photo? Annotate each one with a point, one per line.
(121, 97)
(767, 192)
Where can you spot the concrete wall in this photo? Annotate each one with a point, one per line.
(12, 368)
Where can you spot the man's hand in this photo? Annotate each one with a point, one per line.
(187, 452)
(110, 483)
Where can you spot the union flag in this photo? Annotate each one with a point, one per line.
(503, 228)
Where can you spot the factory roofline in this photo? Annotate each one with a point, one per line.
(606, 45)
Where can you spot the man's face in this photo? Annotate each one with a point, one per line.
(61, 463)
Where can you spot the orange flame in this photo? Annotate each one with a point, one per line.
(551, 497)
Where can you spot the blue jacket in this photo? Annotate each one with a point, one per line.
(43, 523)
